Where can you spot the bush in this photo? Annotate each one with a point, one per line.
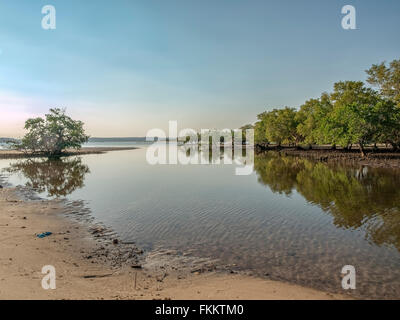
(53, 134)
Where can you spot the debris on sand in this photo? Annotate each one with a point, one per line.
(44, 234)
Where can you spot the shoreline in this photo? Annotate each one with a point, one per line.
(85, 269)
(383, 158)
(379, 159)
(15, 154)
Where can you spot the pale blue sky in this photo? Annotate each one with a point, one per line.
(125, 67)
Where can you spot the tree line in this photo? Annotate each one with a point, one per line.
(353, 114)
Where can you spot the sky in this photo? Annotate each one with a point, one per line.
(125, 67)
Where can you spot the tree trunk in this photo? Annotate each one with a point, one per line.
(362, 151)
(334, 147)
(299, 147)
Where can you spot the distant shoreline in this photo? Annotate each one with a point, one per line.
(15, 154)
(382, 158)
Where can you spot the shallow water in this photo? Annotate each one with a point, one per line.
(291, 219)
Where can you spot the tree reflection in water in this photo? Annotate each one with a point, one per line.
(57, 177)
(356, 197)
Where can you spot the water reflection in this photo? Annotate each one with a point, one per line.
(58, 178)
(357, 198)
(301, 222)
(162, 153)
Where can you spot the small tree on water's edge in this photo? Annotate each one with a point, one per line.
(53, 134)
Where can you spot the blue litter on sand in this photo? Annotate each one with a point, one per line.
(44, 234)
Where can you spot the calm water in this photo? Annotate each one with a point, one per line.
(291, 219)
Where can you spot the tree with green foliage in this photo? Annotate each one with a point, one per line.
(353, 119)
(53, 134)
(260, 135)
(387, 117)
(310, 117)
(387, 79)
(351, 124)
(281, 126)
(349, 92)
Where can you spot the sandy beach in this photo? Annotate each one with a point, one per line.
(80, 274)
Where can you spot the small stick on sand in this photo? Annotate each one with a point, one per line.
(97, 276)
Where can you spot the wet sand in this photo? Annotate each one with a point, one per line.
(91, 264)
